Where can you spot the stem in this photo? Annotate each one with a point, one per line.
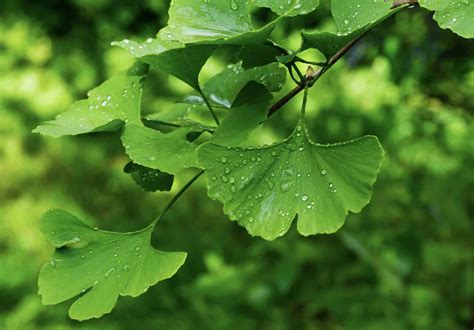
(175, 198)
(305, 100)
(314, 76)
(209, 106)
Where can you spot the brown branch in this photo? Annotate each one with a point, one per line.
(313, 76)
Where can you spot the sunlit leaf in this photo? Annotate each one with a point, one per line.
(218, 22)
(288, 7)
(149, 179)
(351, 15)
(166, 152)
(99, 266)
(107, 108)
(263, 189)
(457, 16)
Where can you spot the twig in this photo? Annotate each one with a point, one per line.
(313, 77)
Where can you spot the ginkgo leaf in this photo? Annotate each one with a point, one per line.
(223, 88)
(166, 152)
(108, 107)
(289, 7)
(351, 15)
(327, 43)
(172, 57)
(99, 266)
(215, 22)
(457, 16)
(149, 179)
(183, 115)
(263, 189)
(249, 109)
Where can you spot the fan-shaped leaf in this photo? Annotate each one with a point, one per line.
(265, 188)
(172, 57)
(215, 22)
(289, 7)
(351, 15)
(165, 152)
(99, 266)
(108, 107)
(249, 109)
(457, 16)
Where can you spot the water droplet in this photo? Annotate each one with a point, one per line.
(234, 5)
(227, 170)
(304, 198)
(224, 179)
(223, 159)
(324, 172)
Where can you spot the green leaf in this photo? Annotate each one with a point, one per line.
(258, 55)
(108, 107)
(457, 16)
(183, 115)
(327, 43)
(172, 57)
(223, 88)
(148, 178)
(351, 15)
(289, 7)
(263, 189)
(98, 266)
(213, 22)
(249, 109)
(166, 152)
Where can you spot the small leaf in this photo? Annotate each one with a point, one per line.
(108, 107)
(98, 266)
(351, 15)
(289, 7)
(223, 88)
(263, 189)
(166, 152)
(258, 55)
(327, 43)
(457, 16)
(213, 22)
(148, 178)
(184, 63)
(249, 109)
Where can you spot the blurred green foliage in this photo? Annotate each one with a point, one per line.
(405, 262)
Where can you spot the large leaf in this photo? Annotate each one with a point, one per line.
(351, 15)
(223, 88)
(217, 22)
(98, 266)
(249, 109)
(108, 107)
(457, 16)
(172, 57)
(263, 189)
(166, 152)
(289, 7)
(149, 179)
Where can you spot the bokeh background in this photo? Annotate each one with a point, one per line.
(405, 262)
